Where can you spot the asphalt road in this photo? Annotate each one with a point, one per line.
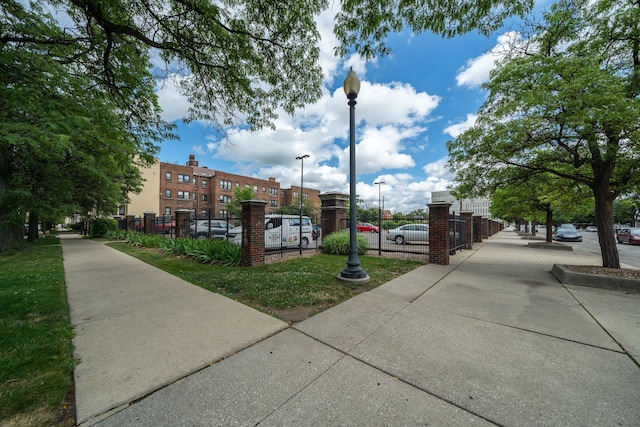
(628, 254)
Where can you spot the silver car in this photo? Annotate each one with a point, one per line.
(409, 233)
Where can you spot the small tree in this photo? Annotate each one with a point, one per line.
(241, 193)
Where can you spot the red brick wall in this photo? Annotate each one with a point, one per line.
(439, 243)
(253, 232)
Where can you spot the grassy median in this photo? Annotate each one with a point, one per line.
(292, 289)
(36, 353)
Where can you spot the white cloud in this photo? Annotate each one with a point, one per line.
(458, 128)
(174, 105)
(438, 169)
(477, 70)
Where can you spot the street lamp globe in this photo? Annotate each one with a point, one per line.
(351, 85)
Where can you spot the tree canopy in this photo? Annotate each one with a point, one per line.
(565, 103)
(78, 80)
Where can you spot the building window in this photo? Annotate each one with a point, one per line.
(225, 199)
(283, 193)
(225, 185)
(273, 203)
(184, 178)
(273, 191)
(204, 213)
(167, 194)
(121, 210)
(167, 176)
(222, 213)
(264, 189)
(255, 189)
(167, 211)
(295, 194)
(183, 195)
(237, 184)
(204, 183)
(204, 197)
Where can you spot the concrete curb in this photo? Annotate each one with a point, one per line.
(545, 245)
(569, 277)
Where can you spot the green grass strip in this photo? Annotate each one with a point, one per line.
(36, 353)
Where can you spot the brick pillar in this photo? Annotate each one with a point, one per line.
(149, 222)
(485, 228)
(477, 222)
(130, 222)
(468, 225)
(333, 212)
(183, 217)
(439, 241)
(253, 232)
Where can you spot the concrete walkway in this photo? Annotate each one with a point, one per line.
(492, 339)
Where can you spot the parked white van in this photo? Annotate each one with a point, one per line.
(280, 231)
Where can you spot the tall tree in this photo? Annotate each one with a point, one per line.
(568, 104)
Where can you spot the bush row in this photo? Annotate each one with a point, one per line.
(219, 252)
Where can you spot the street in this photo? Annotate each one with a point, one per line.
(628, 254)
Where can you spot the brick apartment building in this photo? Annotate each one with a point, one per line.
(206, 192)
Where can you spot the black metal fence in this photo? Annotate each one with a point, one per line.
(457, 233)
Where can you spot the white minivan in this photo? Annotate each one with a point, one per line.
(280, 231)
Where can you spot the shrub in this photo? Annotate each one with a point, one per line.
(75, 226)
(101, 226)
(339, 243)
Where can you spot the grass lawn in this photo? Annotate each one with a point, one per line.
(291, 290)
(36, 353)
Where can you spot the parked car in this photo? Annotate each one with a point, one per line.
(629, 235)
(591, 229)
(366, 227)
(234, 235)
(315, 232)
(165, 226)
(409, 233)
(568, 233)
(209, 229)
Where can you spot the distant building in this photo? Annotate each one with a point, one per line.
(479, 206)
(205, 191)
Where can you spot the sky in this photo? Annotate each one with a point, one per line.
(410, 104)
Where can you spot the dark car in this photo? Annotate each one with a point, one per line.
(568, 233)
(315, 232)
(629, 235)
(209, 229)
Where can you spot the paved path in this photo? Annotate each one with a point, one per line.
(138, 328)
(492, 339)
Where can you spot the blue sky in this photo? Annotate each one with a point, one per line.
(410, 104)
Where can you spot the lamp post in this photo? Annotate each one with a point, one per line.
(379, 184)
(352, 272)
(301, 158)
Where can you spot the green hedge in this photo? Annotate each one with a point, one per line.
(339, 243)
(102, 226)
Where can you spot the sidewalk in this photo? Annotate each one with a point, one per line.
(492, 339)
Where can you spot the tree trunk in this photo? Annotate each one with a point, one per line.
(604, 221)
(33, 227)
(534, 223)
(549, 235)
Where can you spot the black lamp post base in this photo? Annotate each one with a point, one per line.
(354, 275)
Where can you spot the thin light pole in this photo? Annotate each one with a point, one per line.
(379, 184)
(352, 272)
(301, 158)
